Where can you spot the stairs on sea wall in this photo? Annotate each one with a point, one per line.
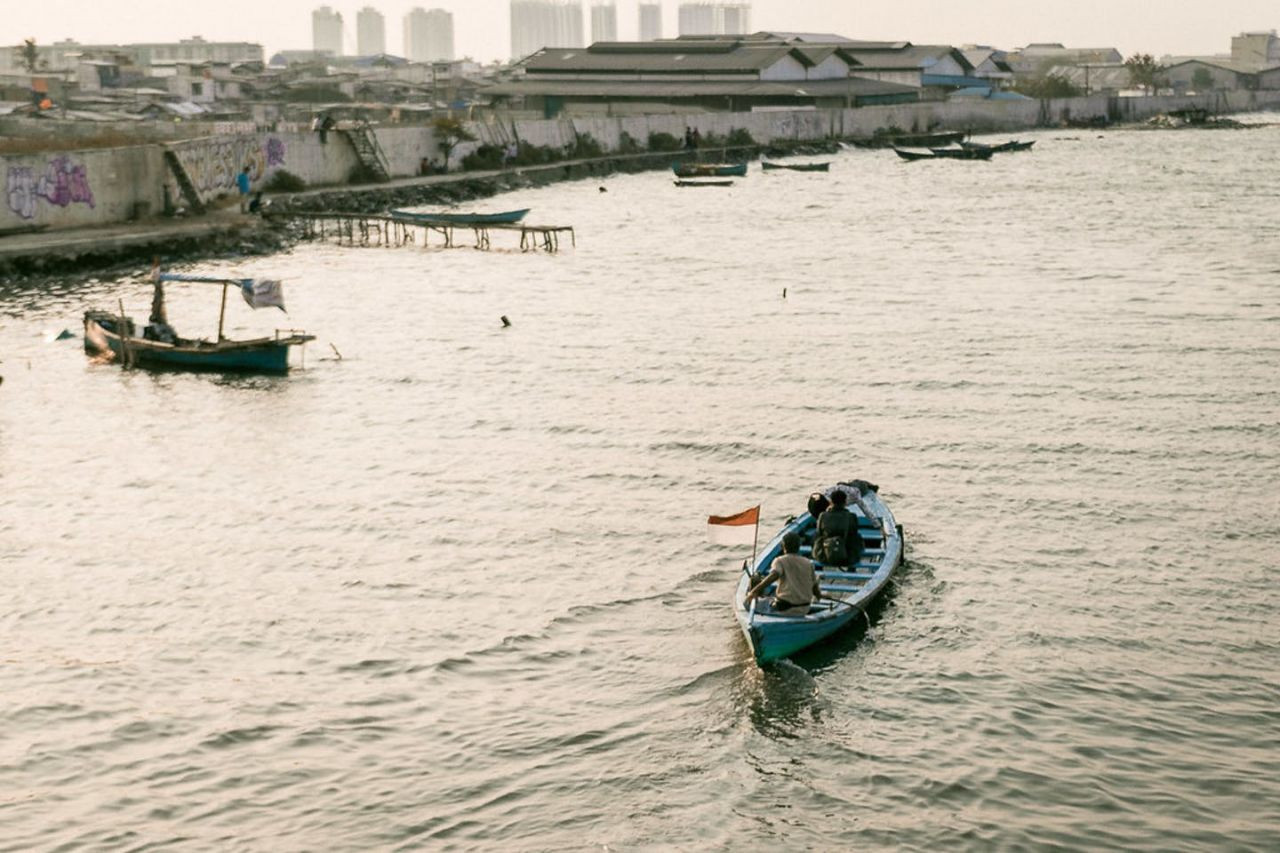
(185, 184)
(366, 146)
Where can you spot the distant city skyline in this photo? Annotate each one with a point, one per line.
(482, 26)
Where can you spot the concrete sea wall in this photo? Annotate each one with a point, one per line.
(106, 186)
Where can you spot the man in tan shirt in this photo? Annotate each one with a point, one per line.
(797, 583)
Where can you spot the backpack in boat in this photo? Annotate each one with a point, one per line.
(830, 551)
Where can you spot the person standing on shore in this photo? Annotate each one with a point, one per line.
(243, 182)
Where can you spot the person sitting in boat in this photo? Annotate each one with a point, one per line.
(158, 328)
(797, 583)
(837, 542)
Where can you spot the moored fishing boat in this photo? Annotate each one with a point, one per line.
(114, 335)
(847, 592)
(1011, 145)
(796, 167)
(709, 170)
(704, 183)
(506, 217)
(963, 153)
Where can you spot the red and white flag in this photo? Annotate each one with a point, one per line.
(737, 529)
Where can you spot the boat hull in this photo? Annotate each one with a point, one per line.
(710, 170)
(796, 167)
(506, 217)
(265, 355)
(773, 637)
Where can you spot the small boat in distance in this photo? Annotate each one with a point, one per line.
(945, 154)
(704, 183)
(113, 336)
(911, 140)
(846, 592)
(963, 153)
(796, 167)
(506, 217)
(709, 170)
(1011, 145)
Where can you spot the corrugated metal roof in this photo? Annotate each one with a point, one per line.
(847, 86)
(742, 58)
(913, 57)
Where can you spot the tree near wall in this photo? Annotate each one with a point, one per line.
(29, 55)
(1048, 86)
(450, 132)
(1144, 72)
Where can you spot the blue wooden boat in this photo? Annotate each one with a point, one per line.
(709, 170)
(506, 217)
(847, 591)
(114, 336)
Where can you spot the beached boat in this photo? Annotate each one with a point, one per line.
(709, 170)
(846, 592)
(796, 167)
(705, 183)
(114, 335)
(506, 217)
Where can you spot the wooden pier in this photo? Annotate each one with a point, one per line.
(381, 229)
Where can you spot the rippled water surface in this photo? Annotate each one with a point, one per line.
(453, 590)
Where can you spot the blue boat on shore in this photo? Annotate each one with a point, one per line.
(114, 336)
(506, 217)
(847, 592)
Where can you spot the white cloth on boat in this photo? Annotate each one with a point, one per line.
(263, 293)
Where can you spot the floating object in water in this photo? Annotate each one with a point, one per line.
(335, 351)
(784, 293)
(603, 190)
(505, 322)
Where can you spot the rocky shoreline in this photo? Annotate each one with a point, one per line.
(111, 257)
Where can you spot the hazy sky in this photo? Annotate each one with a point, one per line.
(1154, 26)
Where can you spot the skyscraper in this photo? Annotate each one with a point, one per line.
(700, 19)
(371, 32)
(326, 30)
(428, 36)
(536, 24)
(736, 18)
(706, 18)
(604, 22)
(650, 21)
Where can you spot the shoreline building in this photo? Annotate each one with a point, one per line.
(604, 21)
(326, 31)
(709, 74)
(536, 24)
(68, 54)
(428, 35)
(650, 21)
(371, 32)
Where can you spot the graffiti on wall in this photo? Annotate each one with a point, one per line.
(62, 183)
(212, 164)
